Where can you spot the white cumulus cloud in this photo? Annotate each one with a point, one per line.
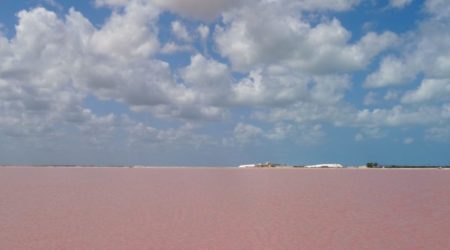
(249, 41)
(429, 90)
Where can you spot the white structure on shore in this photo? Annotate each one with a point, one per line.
(272, 165)
(334, 165)
(247, 166)
(261, 165)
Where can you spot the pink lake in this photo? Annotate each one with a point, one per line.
(223, 208)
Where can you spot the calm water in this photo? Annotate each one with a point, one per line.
(80, 208)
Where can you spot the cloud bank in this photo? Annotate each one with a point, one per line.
(264, 70)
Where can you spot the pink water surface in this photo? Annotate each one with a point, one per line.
(205, 208)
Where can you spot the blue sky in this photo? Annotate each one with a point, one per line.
(220, 82)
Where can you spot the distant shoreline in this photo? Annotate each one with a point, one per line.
(220, 167)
